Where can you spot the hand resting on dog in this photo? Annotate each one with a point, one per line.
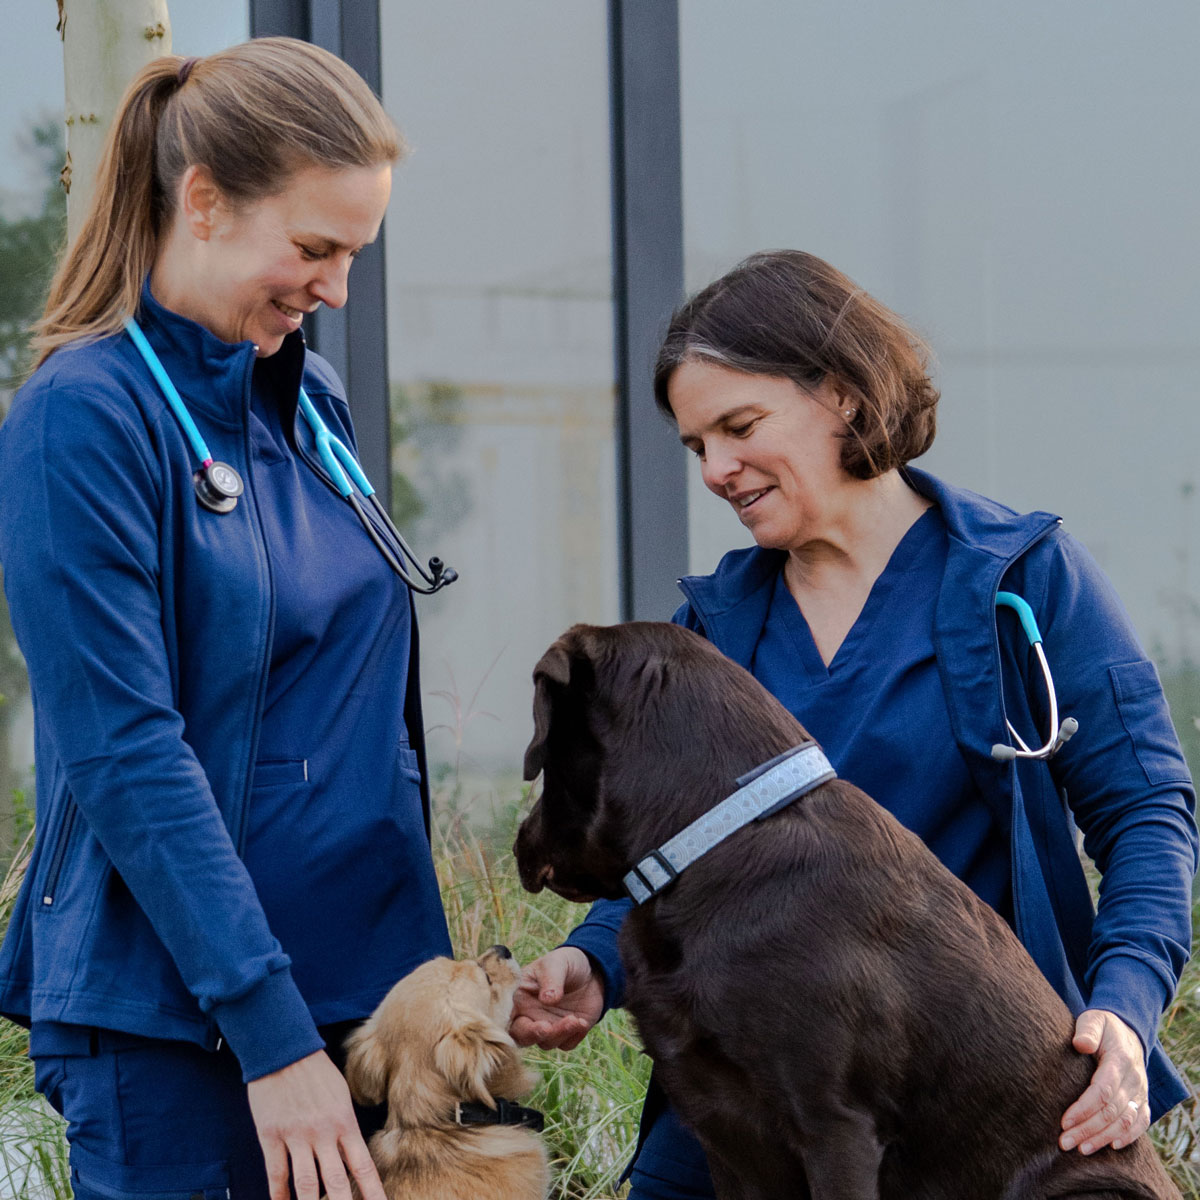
(560, 998)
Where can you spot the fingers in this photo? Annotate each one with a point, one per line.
(275, 1156)
(546, 977)
(362, 1169)
(1115, 1123)
(322, 1170)
(549, 1031)
(308, 1132)
(1114, 1109)
(304, 1173)
(557, 1001)
(333, 1158)
(1088, 1030)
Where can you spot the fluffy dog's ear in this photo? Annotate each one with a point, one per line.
(366, 1066)
(470, 1055)
(553, 668)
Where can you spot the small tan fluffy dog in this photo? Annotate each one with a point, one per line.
(436, 1043)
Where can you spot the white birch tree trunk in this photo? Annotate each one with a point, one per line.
(105, 43)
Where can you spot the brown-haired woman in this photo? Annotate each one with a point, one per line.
(232, 864)
(868, 606)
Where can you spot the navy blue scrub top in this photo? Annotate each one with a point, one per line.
(879, 711)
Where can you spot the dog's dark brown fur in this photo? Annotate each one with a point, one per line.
(831, 1011)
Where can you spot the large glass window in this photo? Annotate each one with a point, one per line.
(1017, 180)
(500, 347)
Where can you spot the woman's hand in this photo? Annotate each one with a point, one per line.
(557, 1001)
(1115, 1109)
(304, 1116)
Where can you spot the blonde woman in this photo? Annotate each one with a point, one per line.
(232, 863)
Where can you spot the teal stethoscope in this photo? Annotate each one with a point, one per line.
(1059, 734)
(218, 485)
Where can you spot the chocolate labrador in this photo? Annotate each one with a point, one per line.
(830, 1010)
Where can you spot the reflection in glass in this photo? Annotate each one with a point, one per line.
(500, 347)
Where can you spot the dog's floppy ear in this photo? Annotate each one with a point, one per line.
(554, 668)
(366, 1066)
(469, 1055)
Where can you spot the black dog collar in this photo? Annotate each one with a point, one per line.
(506, 1112)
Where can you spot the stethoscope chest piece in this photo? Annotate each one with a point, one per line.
(218, 487)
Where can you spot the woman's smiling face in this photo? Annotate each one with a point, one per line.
(769, 448)
(266, 264)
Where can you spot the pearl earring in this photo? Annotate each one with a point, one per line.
(849, 413)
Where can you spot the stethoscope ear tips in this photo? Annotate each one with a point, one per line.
(218, 487)
(440, 575)
(1002, 753)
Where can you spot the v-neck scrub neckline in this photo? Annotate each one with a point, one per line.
(921, 540)
(879, 710)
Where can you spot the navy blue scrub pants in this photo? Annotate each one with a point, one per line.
(670, 1163)
(158, 1120)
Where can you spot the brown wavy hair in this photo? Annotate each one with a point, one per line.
(253, 115)
(791, 314)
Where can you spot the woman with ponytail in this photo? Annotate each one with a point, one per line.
(232, 864)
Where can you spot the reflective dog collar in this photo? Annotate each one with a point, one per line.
(506, 1112)
(760, 792)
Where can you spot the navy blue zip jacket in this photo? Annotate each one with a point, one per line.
(1123, 778)
(147, 626)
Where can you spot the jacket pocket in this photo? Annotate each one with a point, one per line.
(1144, 714)
(58, 855)
(270, 772)
(406, 760)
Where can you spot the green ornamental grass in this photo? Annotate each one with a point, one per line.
(591, 1097)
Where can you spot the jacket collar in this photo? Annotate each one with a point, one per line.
(985, 537)
(213, 376)
(981, 524)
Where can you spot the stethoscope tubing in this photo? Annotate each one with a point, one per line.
(341, 468)
(1059, 733)
(170, 391)
(336, 455)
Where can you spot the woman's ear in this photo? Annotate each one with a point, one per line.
(200, 204)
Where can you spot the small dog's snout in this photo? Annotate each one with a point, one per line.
(501, 951)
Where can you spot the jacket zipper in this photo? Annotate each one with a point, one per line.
(59, 855)
(238, 829)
